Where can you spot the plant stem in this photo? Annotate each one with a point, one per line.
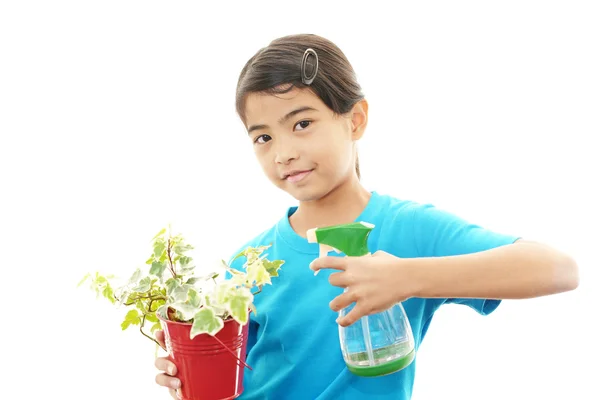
(171, 267)
(144, 333)
(150, 297)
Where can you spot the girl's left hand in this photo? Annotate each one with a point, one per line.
(374, 283)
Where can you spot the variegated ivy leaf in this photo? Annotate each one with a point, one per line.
(184, 261)
(239, 303)
(162, 232)
(157, 326)
(159, 247)
(181, 249)
(272, 267)
(251, 253)
(222, 292)
(171, 284)
(131, 318)
(158, 268)
(135, 278)
(85, 278)
(162, 311)
(239, 279)
(179, 294)
(186, 310)
(206, 321)
(194, 298)
(257, 273)
(144, 285)
(210, 301)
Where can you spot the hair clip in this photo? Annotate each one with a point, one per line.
(307, 80)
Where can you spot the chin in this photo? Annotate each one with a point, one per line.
(305, 194)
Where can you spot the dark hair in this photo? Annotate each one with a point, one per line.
(276, 69)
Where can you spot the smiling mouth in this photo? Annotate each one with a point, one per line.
(297, 176)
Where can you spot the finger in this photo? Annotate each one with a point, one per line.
(340, 279)
(165, 365)
(354, 315)
(160, 337)
(328, 263)
(176, 394)
(168, 381)
(342, 301)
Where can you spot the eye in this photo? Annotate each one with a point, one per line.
(302, 124)
(262, 139)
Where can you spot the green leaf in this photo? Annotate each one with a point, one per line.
(171, 284)
(193, 281)
(85, 278)
(184, 261)
(150, 260)
(131, 318)
(238, 255)
(239, 303)
(137, 275)
(182, 248)
(222, 291)
(109, 293)
(159, 247)
(272, 267)
(156, 304)
(162, 232)
(144, 285)
(187, 310)
(151, 318)
(257, 273)
(206, 321)
(158, 268)
(180, 294)
(194, 298)
(162, 311)
(156, 327)
(253, 308)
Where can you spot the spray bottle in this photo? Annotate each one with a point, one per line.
(377, 344)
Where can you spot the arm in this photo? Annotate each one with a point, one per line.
(521, 270)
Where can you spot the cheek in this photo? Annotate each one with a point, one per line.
(266, 162)
(335, 156)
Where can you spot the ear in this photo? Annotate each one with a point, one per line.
(359, 117)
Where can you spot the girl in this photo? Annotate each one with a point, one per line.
(304, 112)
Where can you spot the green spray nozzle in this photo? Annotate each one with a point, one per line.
(350, 239)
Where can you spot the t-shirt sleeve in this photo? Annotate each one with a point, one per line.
(439, 233)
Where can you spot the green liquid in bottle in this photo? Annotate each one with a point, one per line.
(386, 359)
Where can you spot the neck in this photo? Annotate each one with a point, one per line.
(340, 206)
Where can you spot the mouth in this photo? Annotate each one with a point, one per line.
(296, 176)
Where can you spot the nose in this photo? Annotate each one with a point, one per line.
(285, 152)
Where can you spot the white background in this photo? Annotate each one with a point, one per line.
(117, 117)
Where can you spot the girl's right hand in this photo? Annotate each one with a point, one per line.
(164, 364)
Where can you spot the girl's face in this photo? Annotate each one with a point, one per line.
(301, 145)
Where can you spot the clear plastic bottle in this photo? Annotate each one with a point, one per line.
(378, 344)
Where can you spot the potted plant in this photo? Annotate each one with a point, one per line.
(205, 319)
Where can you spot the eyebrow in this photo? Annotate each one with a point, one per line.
(283, 119)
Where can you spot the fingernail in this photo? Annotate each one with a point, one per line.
(316, 272)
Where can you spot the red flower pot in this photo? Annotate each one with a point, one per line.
(209, 369)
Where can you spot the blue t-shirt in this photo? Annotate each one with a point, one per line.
(294, 347)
